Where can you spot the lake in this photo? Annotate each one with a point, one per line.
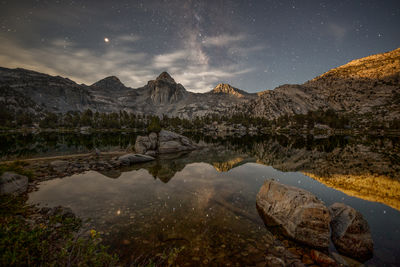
(199, 208)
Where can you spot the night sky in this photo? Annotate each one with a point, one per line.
(253, 45)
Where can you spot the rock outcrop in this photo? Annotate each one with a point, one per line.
(350, 232)
(12, 183)
(300, 214)
(162, 143)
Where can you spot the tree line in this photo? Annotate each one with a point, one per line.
(126, 120)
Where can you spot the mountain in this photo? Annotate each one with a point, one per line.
(54, 93)
(367, 87)
(109, 84)
(224, 88)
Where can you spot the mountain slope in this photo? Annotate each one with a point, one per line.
(52, 92)
(369, 87)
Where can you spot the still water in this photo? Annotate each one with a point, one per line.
(199, 208)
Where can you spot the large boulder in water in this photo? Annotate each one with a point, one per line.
(164, 142)
(12, 183)
(170, 142)
(350, 232)
(299, 214)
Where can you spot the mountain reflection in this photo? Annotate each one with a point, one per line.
(366, 167)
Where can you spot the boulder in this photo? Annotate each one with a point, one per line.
(169, 142)
(59, 165)
(322, 259)
(153, 141)
(11, 183)
(298, 213)
(164, 142)
(151, 153)
(350, 232)
(142, 144)
(130, 159)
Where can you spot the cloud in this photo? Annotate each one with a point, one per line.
(337, 31)
(127, 38)
(189, 64)
(223, 40)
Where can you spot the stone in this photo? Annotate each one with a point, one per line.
(350, 232)
(59, 165)
(345, 261)
(130, 159)
(153, 141)
(273, 261)
(322, 259)
(298, 213)
(142, 144)
(12, 183)
(151, 153)
(170, 142)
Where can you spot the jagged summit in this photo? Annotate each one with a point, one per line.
(224, 88)
(164, 76)
(109, 83)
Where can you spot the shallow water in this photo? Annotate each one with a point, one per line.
(200, 208)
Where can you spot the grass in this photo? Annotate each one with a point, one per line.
(52, 240)
(17, 167)
(33, 237)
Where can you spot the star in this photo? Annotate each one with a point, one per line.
(106, 40)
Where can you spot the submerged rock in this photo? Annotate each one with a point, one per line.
(300, 214)
(11, 183)
(129, 159)
(350, 232)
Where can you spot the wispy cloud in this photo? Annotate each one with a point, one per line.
(338, 32)
(189, 64)
(223, 40)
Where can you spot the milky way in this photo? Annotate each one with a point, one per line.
(253, 45)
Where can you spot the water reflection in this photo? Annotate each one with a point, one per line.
(25, 145)
(205, 214)
(202, 204)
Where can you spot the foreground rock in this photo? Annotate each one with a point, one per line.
(350, 232)
(59, 165)
(11, 183)
(300, 214)
(162, 143)
(130, 159)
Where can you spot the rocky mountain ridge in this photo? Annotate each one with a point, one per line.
(367, 86)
